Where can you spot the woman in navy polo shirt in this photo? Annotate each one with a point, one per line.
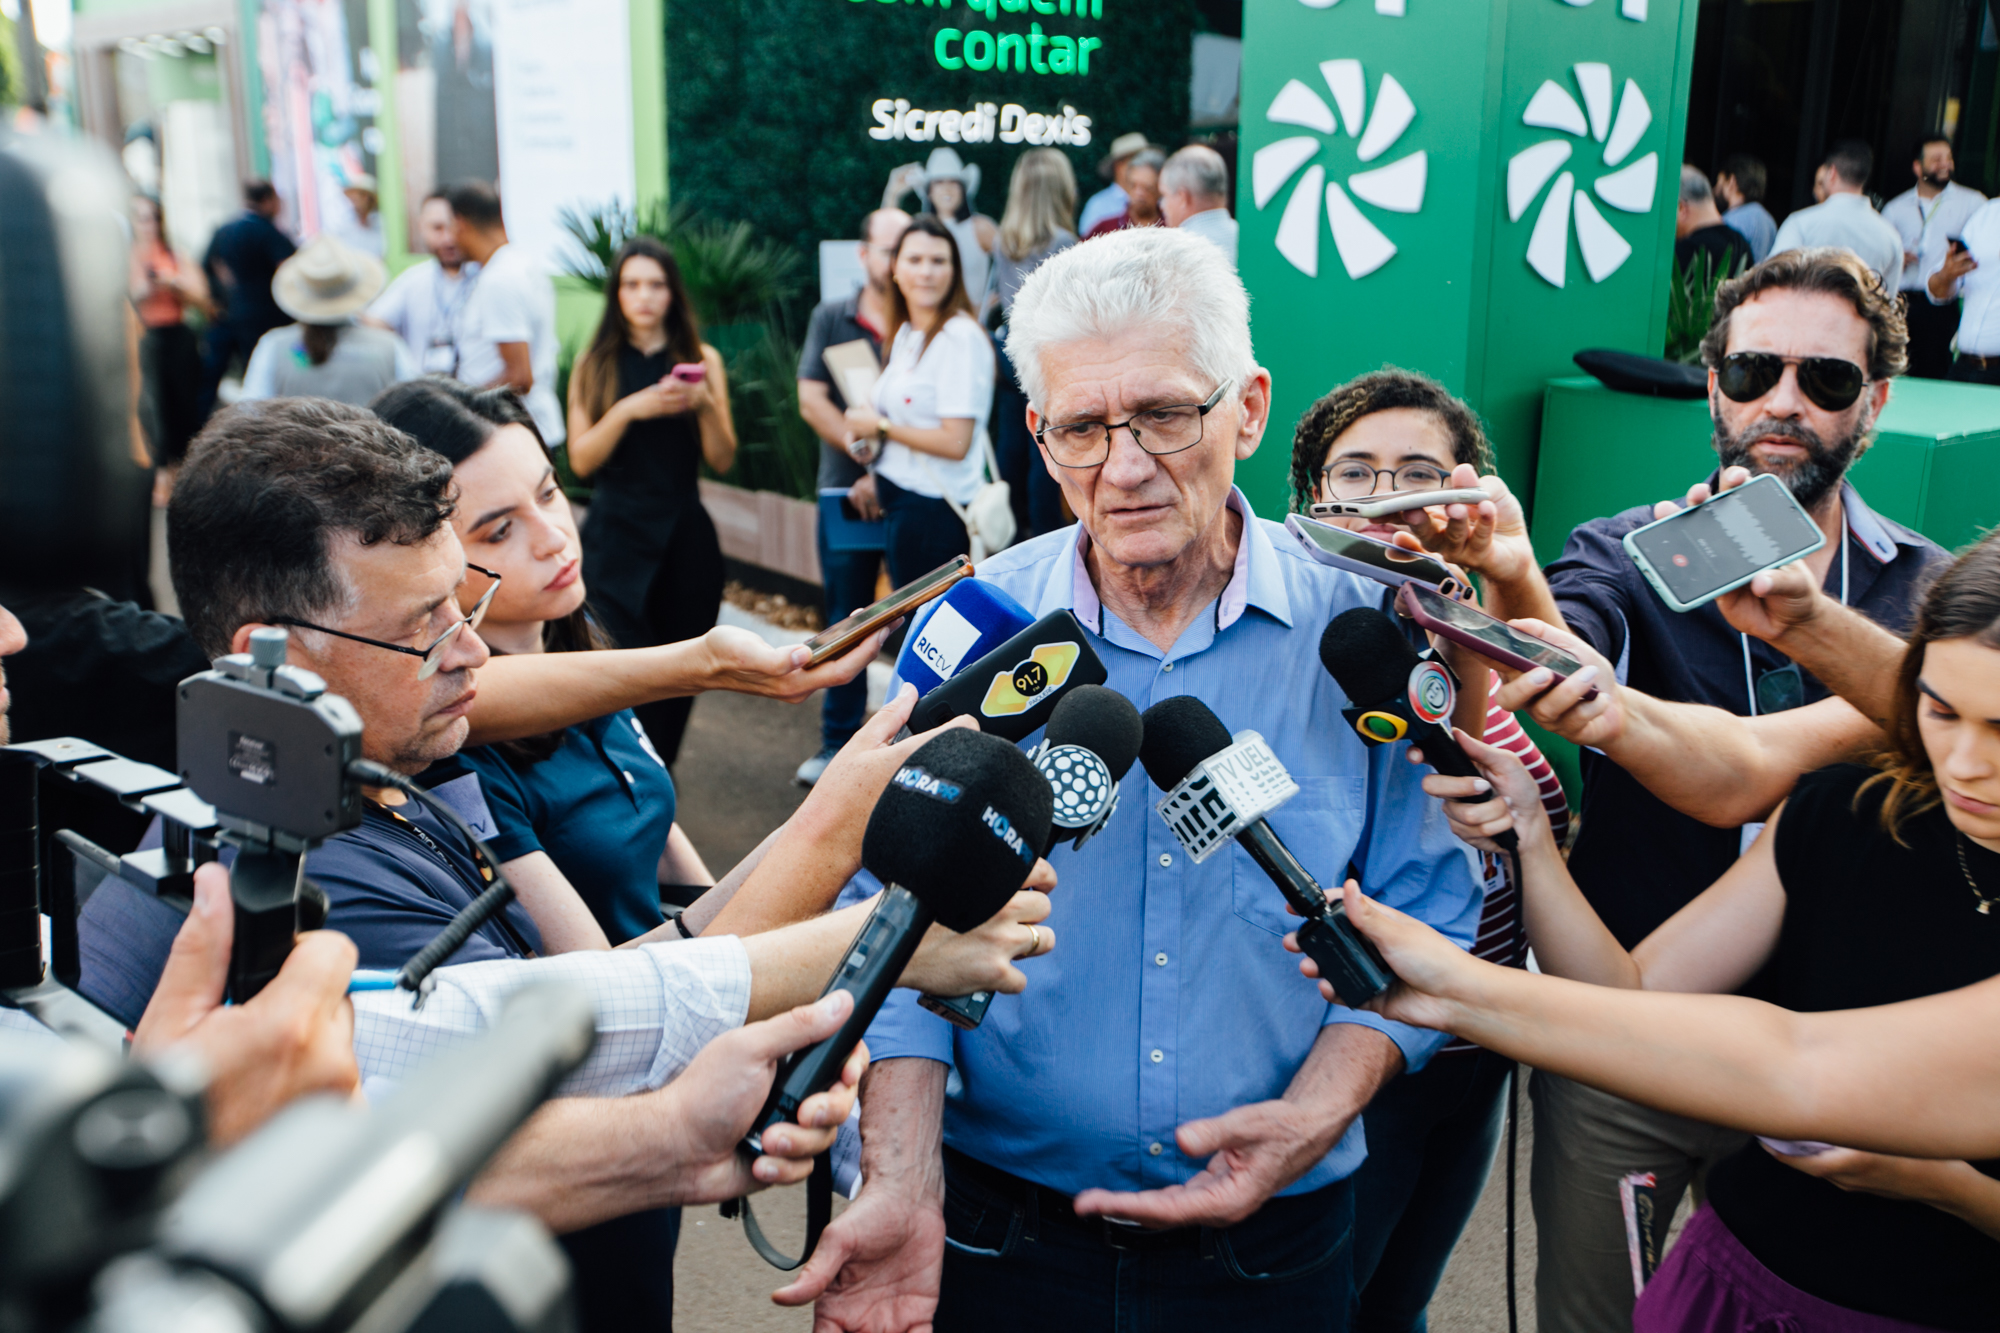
(590, 807)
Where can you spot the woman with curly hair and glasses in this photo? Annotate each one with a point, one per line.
(1431, 1134)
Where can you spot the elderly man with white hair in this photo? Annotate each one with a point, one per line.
(1160, 1133)
(1194, 195)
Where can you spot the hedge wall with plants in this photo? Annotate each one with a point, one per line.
(769, 102)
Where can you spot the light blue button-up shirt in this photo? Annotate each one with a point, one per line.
(1170, 997)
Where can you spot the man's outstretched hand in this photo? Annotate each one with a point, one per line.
(295, 1037)
(1253, 1152)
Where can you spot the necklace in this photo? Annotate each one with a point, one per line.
(1985, 903)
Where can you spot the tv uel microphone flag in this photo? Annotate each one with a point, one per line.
(952, 839)
(1092, 739)
(962, 626)
(1220, 787)
(1396, 694)
(1012, 691)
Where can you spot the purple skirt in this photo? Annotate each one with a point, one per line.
(1711, 1284)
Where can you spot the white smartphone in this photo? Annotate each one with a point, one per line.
(1693, 557)
(1396, 502)
(1369, 557)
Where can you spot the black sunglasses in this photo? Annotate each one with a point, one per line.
(1830, 382)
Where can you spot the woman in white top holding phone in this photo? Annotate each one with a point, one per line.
(925, 432)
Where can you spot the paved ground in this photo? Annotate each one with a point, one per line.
(734, 779)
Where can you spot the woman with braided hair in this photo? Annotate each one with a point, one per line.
(1431, 1134)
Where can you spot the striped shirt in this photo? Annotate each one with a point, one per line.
(1500, 938)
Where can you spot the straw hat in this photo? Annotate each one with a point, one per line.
(1124, 146)
(326, 281)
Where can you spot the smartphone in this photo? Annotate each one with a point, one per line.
(1487, 635)
(838, 637)
(1369, 557)
(1396, 502)
(689, 372)
(1695, 556)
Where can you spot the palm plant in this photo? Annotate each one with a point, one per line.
(1691, 303)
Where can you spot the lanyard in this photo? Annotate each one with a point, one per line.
(1749, 679)
(451, 867)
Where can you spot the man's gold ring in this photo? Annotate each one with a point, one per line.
(1034, 942)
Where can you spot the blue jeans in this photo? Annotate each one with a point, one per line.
(1431, 1139)
(1037, 499)
(923, 532)
(847, 583)
(1016, 1258)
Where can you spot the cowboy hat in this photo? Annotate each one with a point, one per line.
(946, 165)
(326, 281)
(1124, 146)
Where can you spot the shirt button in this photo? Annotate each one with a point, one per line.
(1158, 1056)
(1154, 1149)
(1166, 858)
(628, 775)
(1159, 960)
(1168, 667)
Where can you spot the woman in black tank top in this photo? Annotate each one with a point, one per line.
(1871, 885)
(648, 403)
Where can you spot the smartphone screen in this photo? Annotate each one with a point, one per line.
(1702, 552)
(1492, 632)
(838, 637)
(1366, 555)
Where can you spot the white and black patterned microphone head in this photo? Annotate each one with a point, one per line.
(1093, 736)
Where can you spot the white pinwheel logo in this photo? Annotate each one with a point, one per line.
(1629, 190)
(1396, 188)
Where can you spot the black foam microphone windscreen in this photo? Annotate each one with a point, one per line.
(1366, 655)
(960, 826)
(1102, 721)
(1180, 733)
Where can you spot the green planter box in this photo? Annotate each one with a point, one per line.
(1935, 464)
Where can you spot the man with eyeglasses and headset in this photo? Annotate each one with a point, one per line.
(321, 518)
(1162, 1133)
(1800, 356)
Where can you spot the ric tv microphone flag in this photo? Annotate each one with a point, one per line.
(962, 626)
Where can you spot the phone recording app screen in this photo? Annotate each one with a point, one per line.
(1746, 530)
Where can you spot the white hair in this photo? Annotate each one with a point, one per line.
(1177, 288)
(1199, 170)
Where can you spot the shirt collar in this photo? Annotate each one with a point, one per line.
(1866, 526)
(1256, 580)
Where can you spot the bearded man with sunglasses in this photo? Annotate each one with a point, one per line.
(1800, 357)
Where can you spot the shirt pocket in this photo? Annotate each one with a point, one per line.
(913, 401)
(1322, 827)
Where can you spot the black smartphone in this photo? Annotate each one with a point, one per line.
(838, 637)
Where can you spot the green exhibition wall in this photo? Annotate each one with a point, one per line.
(770, 105)
(1473, 191)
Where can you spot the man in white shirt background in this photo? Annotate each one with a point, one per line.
(508, 329)
(1845, 217)
(425, 305)
(1929, 217)
(1971, 269)
(1194, 194)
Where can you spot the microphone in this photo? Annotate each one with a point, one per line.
(1092, 739)
(1093, 736)
(1221, 788)
(965, 624)
(952, 838)
(1012, 691)
(1396, 694)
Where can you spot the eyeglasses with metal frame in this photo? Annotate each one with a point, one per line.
(1158, 430)
(432, 655)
